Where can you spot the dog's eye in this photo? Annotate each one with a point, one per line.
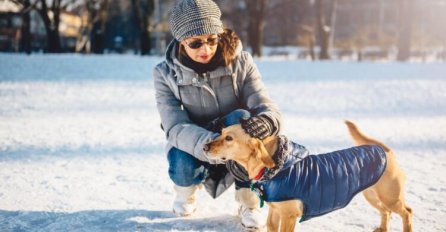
(228, 138)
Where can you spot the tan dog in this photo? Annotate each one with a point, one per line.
(254, 155)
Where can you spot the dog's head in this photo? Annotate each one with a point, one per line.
(235, 144)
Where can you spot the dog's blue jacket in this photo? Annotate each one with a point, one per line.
(324, 182)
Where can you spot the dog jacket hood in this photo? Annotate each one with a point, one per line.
(323, 182)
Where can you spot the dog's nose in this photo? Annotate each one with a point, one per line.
(206, 147)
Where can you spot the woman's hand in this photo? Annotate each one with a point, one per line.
(257, 126)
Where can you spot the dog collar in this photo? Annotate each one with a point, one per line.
(260, 174)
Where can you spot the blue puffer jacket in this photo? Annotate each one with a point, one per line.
(324, 182)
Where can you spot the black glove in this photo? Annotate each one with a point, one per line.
(257, 126)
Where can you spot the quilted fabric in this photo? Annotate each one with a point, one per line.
(325, 182)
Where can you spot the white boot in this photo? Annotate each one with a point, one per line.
(185, 202)
(250, 215)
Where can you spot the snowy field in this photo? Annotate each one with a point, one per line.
(81, 148)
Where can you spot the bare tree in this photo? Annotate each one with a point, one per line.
(99, 15)
(405, 32)
(256, 12)
(25, 28)
(50, 12)
(91, 38)
(51, 23)
(324, 26)
(306, 32)
(144, 10)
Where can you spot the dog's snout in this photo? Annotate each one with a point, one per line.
(207, 147)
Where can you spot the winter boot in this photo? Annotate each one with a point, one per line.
(249, 212)
(185, 202)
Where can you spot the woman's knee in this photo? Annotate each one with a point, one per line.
(184, 169)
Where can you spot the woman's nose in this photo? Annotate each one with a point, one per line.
(205, 47)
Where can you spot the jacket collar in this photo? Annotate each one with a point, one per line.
(279, 158)
(283, 158)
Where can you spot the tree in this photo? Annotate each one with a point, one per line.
(92, 35)
(144, 10)
(324, 26)
(99, 13)
(25, 28)
(306, 34)
(405, 32)
(256, 12)
(50, 11)
(51, 23)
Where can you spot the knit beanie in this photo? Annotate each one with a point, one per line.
(194, 18)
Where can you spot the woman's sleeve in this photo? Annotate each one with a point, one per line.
(180, 131)
(255, 96)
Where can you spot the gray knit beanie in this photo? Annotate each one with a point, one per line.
(195, 17)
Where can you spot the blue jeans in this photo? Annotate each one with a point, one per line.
(186, 170)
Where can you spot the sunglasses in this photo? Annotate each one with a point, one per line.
(196, 44)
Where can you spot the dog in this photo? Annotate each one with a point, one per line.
(384, 190)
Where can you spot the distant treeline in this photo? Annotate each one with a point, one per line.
(322, 29)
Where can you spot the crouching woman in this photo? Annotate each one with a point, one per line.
(205, 82)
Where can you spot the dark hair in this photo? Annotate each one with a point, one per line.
(228, 43)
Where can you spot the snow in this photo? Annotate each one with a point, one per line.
(81, 148)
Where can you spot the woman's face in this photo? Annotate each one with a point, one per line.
(201, 48)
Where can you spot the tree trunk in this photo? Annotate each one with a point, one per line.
(256, 12)
(332, 23)
(53, 41)
(306, 31)
(143, 14)
(405, 33)
(145, 42)
(83, 41)
(51, 25)
(97, 40)
(311, 48)
(324, 27)
(25, 30)
(98, 31)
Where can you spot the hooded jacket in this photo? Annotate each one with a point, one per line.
(187, 102)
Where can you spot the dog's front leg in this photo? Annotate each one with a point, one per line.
(273, 220)
(288, 212)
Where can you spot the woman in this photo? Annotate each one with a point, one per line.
(207, 82)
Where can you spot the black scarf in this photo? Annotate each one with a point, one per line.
(200, 68)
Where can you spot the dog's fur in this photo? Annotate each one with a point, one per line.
(386, 195)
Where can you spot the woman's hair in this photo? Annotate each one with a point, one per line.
(228, 44)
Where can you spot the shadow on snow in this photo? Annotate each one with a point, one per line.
(112, 220)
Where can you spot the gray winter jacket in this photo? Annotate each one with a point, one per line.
(187, 101)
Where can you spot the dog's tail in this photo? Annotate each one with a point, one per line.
(361, 139)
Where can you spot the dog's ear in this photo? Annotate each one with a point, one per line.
(261, 153)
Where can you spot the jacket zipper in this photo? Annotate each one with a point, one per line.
(206, 86)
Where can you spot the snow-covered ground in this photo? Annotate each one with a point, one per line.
(81, 148)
